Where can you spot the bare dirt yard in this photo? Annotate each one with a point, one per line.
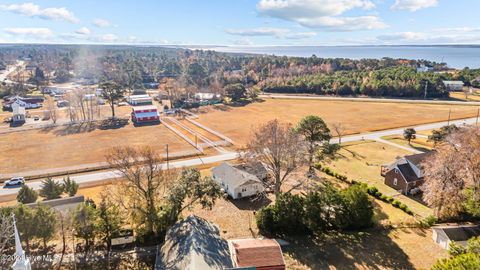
(356, 117)
(79, 144)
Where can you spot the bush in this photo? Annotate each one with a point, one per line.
(26, 195)
(51, 189)
(378, 194)
(70, 186)
(428, 221)
(396, 203)
(372, 190)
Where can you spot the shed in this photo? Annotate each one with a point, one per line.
(260, 254)
(19, 114)
(444, 235)
(454, 85)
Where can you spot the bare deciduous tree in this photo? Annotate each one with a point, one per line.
(339, 130)
(145, 184)
(452, 171)
(280, 148)
(6, 231)
(51, 110)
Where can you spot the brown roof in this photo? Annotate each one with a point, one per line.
(257, 253)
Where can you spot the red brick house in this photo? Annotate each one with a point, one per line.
(405, 173)
(260, 254)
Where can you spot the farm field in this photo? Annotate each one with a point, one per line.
(356, 117)
(75, 145)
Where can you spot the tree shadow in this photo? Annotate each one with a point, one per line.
(113, 123)
(75, 129)
(420, 148)
(252, 204)
(373, 249)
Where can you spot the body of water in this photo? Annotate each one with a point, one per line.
(454, 56)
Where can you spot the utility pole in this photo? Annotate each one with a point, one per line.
(478, 115)
(196, 141)
(426, 87)
(168, 165)
(449, 113)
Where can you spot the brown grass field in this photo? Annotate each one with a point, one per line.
(69, 146)
(356, 117)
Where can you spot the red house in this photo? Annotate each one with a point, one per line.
(145, 114)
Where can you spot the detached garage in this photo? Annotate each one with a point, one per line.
(444, 235)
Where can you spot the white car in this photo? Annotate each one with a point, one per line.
(15, 181)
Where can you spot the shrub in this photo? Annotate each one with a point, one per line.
(390, 199)
(396, 203)
(428, 221)
(384, 198)
(378, 194)
(51, 189)
(372, 190)
(70, 186)
(26, 195)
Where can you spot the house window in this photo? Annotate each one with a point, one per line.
(395, 181)
(244, 189)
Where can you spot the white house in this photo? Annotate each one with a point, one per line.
(460, 234)
(424, 68)
(454, 85)
(236, 182)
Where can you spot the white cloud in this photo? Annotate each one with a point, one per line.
(107, 38)
(322, 14)
(413, 5)
(262, 31)
(33, 10)
(102, 23)
(270, 31)
(243, 42)
(344, 23)
(42, 33)
(300, 35)
(295, 9)
(83, 31)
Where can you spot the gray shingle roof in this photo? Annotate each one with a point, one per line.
(193, 244)
(231, 176)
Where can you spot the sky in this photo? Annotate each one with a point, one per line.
(241, 22)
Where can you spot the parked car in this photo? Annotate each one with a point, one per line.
(36, 118)
(122, 104)
(15, 181)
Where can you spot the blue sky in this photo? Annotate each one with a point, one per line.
(241, 22)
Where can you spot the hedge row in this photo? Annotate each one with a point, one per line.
(371, 190)
(331, 172)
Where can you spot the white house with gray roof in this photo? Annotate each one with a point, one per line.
(236, 182)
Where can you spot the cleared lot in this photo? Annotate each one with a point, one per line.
(74, 145)
(356, 117)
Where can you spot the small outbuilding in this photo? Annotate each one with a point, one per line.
(136, 100)
(460, 234)
(236, 182)
(145, 114)
(259, 254)
(19, 114)
(454, 85)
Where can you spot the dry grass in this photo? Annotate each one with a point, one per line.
(362, 161)
(419, 143)
(236, 122)
(69, 146)
(389, 249)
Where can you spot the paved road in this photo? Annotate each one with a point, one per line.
(396, 131)
(376, 136)
(380, 100)
(100, 176)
